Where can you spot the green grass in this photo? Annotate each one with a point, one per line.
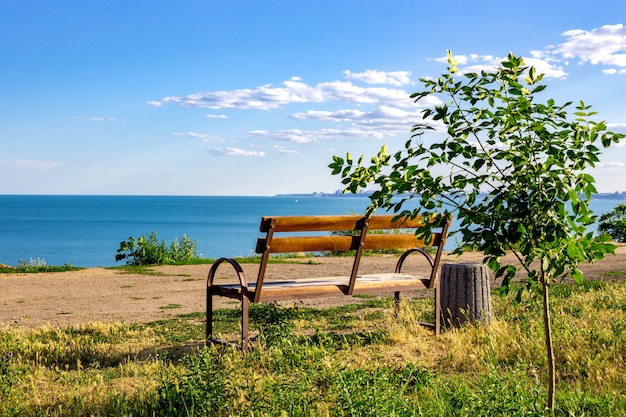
(34, 269)
(352, 360)
(171, 307)
(35, 265)
(39, 266)
(617, 274)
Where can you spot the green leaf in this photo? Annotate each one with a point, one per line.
(572, 251)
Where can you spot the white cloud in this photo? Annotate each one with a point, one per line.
(396, 78)
(386, 113)
(235, 152)
(287, 135)
(489, 61)
(196, 135)
(547, 66)
(316, 136)
(29, 164)
(348, 92)
(330, 116)
(611, 166)
(380, 122)
(284, 151)
(613, 71)
(617, 127)
(100, 119)
(382, 111)
(268, 97)
(605, 45)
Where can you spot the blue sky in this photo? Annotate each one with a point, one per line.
(255, 97)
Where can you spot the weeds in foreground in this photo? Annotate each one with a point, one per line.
(353, 360)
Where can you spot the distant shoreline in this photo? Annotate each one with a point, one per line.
(617, 196)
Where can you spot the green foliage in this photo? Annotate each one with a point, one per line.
(150, 251)
(512, 168)
(613, 223)
(507, 165)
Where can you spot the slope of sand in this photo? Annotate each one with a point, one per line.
(107, 295)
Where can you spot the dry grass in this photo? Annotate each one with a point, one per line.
(343, 360)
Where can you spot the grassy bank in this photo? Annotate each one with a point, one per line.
(353, 360)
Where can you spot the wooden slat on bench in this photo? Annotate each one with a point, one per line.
(399, 241)
(343, 243)
(299, 289)
(311, 223)
(377, 283)
(330, 223)
(304, 288)
(308, 244)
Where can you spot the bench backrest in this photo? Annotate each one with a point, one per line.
(352, 232)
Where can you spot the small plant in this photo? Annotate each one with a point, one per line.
(613, 223)
(33, 262)
(34, 266)
(150, 251)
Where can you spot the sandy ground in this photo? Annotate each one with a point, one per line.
(107, 295)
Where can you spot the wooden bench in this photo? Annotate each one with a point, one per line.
(297, 234)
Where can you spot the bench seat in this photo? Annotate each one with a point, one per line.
(279, 290)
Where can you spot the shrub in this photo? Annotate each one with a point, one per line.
(150, 251)
(613, 223)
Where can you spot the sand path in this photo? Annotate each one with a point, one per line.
(108, 295)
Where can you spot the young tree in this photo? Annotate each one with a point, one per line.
(512, 168)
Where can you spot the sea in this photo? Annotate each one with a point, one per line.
(86, 231)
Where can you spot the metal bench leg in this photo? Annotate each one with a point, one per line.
(245, 303)
(396, 304)
(209, 316)
(436, 326)
(437, 311)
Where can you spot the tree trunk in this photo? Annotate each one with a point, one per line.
(465, 294)
(547, 322)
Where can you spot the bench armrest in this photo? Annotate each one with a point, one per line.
(236, 267)
(428, 257)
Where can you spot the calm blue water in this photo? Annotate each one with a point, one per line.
(86, 230)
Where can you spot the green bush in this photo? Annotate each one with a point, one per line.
(613, 223)
(150, 251)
